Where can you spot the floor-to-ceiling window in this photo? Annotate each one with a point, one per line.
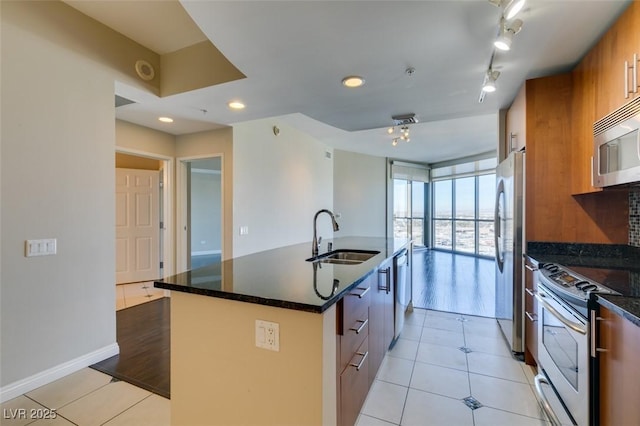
(409, 196)
(462, 204)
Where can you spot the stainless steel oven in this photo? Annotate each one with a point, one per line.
(564, 364)
(563, 355)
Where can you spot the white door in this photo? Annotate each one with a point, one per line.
(137, 225)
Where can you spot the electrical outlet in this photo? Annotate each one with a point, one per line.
(244, 230)
(268, 335)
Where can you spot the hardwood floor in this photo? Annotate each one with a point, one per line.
(449, 282)
(143, 334)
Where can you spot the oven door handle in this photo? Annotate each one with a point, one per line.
(544, 402)
(577, 327)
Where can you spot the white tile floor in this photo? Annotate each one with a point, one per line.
(87, 397)
(422, 381)
(128, 295)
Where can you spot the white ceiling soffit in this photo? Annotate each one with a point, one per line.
(295, 54)
(160, 25)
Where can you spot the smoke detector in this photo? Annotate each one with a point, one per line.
(404, 119)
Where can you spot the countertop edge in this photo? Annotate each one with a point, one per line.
(278, 303)
(618, 308)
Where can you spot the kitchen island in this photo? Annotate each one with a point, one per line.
(220, 376)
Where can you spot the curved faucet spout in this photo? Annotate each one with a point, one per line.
(314, 243)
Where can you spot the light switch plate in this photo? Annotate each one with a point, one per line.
(43, 247)
(268, 335)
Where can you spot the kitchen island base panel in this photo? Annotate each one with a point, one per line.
(219, 376)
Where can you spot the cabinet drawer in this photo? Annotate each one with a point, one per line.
(356, 305)
(354, 334)
(354, 385)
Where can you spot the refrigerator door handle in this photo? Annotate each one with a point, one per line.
(497, 235)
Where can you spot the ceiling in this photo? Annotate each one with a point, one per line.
(295, 54)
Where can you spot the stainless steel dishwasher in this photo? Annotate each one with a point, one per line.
(400, 266)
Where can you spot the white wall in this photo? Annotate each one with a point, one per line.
(359, 193)
(206, 213)
(279, 183)
(209, 144)
(57, 163)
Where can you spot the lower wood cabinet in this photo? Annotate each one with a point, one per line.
(364, 332)
(618, 341)
(381, 316)
(354, 385)
(530, 312)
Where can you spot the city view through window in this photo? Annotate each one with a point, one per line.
(462, 213)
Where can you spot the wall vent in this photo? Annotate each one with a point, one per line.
(625, 112)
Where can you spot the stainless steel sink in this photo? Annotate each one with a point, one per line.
(345, 257)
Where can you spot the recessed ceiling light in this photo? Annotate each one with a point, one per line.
(236, 105)
(166, 119)
(352, 81)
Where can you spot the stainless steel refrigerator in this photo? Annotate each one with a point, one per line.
(509, 242)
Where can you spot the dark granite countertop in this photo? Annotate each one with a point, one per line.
(616, 266)
(627, 307)
(283, 278)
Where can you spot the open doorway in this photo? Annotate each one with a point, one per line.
(143, 216)
(200, 211)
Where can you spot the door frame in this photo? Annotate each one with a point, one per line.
(181, 207)
(167, 232)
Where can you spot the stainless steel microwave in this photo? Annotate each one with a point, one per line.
(616, 154)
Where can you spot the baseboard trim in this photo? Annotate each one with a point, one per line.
(15, 389)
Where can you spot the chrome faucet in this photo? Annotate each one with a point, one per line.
(314, 243)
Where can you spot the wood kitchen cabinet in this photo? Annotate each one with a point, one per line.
(353, 354)
(619, 377)
(553, 213)
(516, 123)
(618, 45)
(381, 316)
(599, 89)
(530, 312)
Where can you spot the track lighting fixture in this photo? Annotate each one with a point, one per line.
(510, 7)
(403, 121)
(490, 78)
(507, 31)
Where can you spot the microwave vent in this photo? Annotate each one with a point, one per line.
(625, 112)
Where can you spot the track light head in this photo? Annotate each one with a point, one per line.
(490, 78)
(507, 31)
(510, 7)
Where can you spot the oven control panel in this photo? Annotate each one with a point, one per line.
(567, 281)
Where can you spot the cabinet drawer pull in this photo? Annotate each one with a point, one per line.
(532, 317)
(361, 295)
(364, 356)
(530, 292)
(363, 325)
(531, 268)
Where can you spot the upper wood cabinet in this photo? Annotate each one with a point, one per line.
(599, 83)
(613, 59)
(516, 123)
(553, 213)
